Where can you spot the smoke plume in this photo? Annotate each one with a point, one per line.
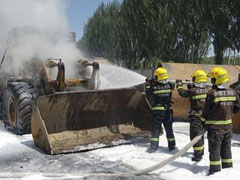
(35, 29)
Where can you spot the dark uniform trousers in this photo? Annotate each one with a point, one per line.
(196, 126)
(162, 117)
(220, 149)
(219, 107)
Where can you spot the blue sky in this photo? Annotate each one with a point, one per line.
(79, 11)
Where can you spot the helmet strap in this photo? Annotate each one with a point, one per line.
(213, 81)
(193, 79)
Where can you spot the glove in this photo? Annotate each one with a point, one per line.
(150, 81)
(95, 65)
(179, 82)
(189, 86)
(147, 80)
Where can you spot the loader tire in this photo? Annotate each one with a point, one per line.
(19, 97)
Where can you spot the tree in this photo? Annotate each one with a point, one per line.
(148, 30)
(220, 21)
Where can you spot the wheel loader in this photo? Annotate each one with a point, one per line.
(65, 113)
(68, 115)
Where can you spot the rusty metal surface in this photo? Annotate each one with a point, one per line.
(81, 118)
(39, 131)
(76, 120)
(75, 82)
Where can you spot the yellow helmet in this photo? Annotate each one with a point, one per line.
(199, 76)
(219, 74)
(161, 74)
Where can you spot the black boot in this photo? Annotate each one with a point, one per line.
(152, 149)
(210, 173)
(171, 148)
(213, 171)
(197, 158)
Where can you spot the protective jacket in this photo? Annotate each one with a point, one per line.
(162, 94)
(196, 97)
(220, 105)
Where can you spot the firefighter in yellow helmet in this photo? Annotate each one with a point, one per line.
(161, 90)
(220, 104)
(197, 95)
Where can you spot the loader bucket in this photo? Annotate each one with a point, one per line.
(77, 121)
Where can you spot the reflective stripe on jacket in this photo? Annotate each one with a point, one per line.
(219, 108)
(196, 97)
(162, 94)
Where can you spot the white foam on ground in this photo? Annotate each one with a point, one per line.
(181, 168)
(137, 157)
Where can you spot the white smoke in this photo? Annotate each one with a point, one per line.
(38, 30)
(33, 29)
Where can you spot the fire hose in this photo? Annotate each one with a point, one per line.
(187, 82)
(161, 164)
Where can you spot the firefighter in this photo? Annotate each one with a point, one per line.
(221, 103)
(161, 90)
(197, 95)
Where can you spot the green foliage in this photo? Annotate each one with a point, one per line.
(237, 60)
(208, 60)
(137, 33)
(222, 20)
